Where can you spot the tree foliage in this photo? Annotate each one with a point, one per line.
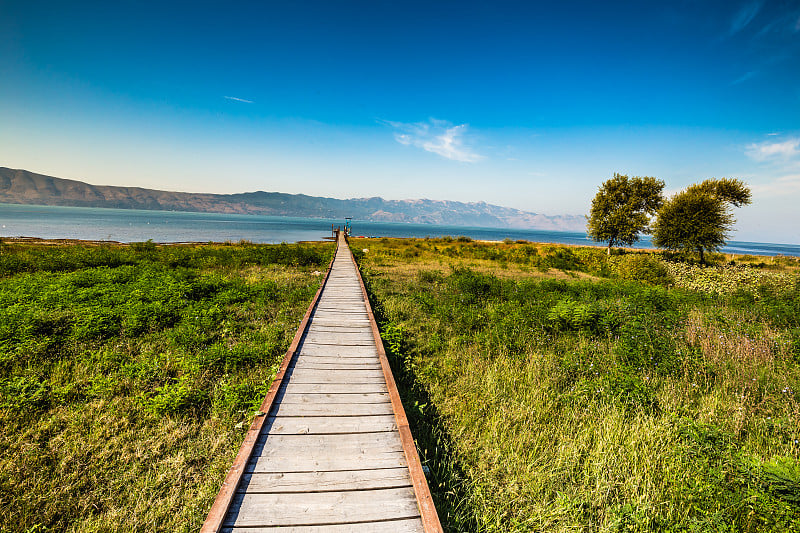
(622, 207)
(700, 218)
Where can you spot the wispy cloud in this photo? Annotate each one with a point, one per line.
(778, 187)
(744, 16)
(437, 136)
(774, 150)
(238, 99)
(746, 76)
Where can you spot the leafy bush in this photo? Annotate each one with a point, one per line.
(24, 393)
(729, 279)
(641, 267)
(781, 476)
(181, 397)
(593, 317)
(473, 287)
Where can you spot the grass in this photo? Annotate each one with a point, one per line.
(551, 388)
(129, 374)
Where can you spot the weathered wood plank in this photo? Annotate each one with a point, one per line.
(343, 328)
(332, 409)
(413, 525)
(325, 481)
(277, 445)
(336, 359)
(327, 350)
(303, 460)
(287, 397)
(344, 338)
(334, 388)
(322, 507)
(330, 425)
(335, 364)
(332, 318)
(337, 341)
(301, 375)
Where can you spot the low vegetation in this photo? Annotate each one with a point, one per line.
(553, 388)
(129, 374)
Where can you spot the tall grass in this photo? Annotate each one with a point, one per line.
(604, 403)
(128, 376)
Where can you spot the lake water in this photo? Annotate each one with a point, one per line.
(128, 225)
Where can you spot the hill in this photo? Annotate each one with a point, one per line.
(24, 187)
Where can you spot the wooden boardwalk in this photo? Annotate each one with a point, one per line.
(332, 451)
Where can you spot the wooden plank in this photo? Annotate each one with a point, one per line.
(334, 364)
(337, 359)
(323, 507)
(330, 425)
(339, 319)
(337, 352)
(413, 525)
(328, 398)
(331, 340)
(343, 328)
(304, 460)
(335, 409)
(354, 338)
(328, 318)
(280, 445)
(301, 375)
(325, 481)
(334, 388)
(287, 398)
(311, 348)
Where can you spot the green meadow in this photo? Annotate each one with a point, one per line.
(550, 388)
(129, 375)
(553, 388)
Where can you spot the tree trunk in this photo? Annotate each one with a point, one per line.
(702, 256)
(608, 250)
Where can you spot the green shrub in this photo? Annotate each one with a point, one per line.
(181, 397)
(568, 314)
(24, 393)
(781, 476)
(644, 268)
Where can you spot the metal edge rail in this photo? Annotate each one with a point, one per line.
(430, 518)
(216, 515)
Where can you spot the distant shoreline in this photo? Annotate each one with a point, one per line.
(90, 242)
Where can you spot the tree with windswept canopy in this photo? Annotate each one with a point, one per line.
(700, 218)
(621, 209)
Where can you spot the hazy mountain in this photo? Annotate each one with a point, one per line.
(23, 187)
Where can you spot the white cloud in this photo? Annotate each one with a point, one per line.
(437, 136)
(744, 16)
(744, 77)
(237, 99)
(771, 150)
(783, 186)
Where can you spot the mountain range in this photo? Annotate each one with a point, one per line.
(24, 187)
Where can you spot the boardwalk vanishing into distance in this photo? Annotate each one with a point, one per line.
(332, 451)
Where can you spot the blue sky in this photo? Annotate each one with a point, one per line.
(523, 104)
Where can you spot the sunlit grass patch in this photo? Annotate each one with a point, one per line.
(617, 402)
(129, 374)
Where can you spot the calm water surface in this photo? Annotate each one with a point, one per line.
(128, 225)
